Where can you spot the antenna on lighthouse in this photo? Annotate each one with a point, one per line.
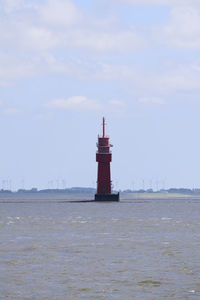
(103, 127)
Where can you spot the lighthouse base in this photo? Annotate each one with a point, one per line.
(106, 197)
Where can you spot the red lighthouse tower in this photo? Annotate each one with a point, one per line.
(104, 157)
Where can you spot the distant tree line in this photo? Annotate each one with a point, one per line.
(171, 191)
(75, 190)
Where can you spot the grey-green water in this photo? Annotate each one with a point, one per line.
(127, 250)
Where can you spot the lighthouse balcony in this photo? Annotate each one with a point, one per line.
(104, 145)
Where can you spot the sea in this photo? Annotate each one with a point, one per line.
(134, 249)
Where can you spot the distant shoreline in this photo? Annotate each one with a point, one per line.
(19, 197)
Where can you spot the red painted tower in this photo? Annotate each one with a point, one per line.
(104, 157)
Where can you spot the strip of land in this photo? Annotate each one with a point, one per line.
(86, 197)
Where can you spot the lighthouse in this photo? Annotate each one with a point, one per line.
(104, 158)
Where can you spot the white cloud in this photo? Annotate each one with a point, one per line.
(16, 67)
(41, 38)
(160, 2)
(11, 111)
(38, 38)
(35, 27)
(176, 78)
(75, 103)
(28, 44)
(151, 100)
(24, 36)
(103, 41)
(122, 72)
(10, 5)
(183, 77)
(183, 29)
(59, 12)
(117, 103)
(29, 33)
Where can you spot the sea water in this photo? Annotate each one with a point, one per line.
(127, 250)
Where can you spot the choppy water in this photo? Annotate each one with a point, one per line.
(127, 250)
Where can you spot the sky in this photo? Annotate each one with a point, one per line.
(64, 64)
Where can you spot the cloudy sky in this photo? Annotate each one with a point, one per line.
(66, 63)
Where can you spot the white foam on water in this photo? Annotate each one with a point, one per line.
(10, 222)
(165, 243)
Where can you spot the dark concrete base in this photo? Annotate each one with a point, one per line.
(106, 197)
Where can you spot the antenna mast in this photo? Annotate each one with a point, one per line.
(103, 127)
